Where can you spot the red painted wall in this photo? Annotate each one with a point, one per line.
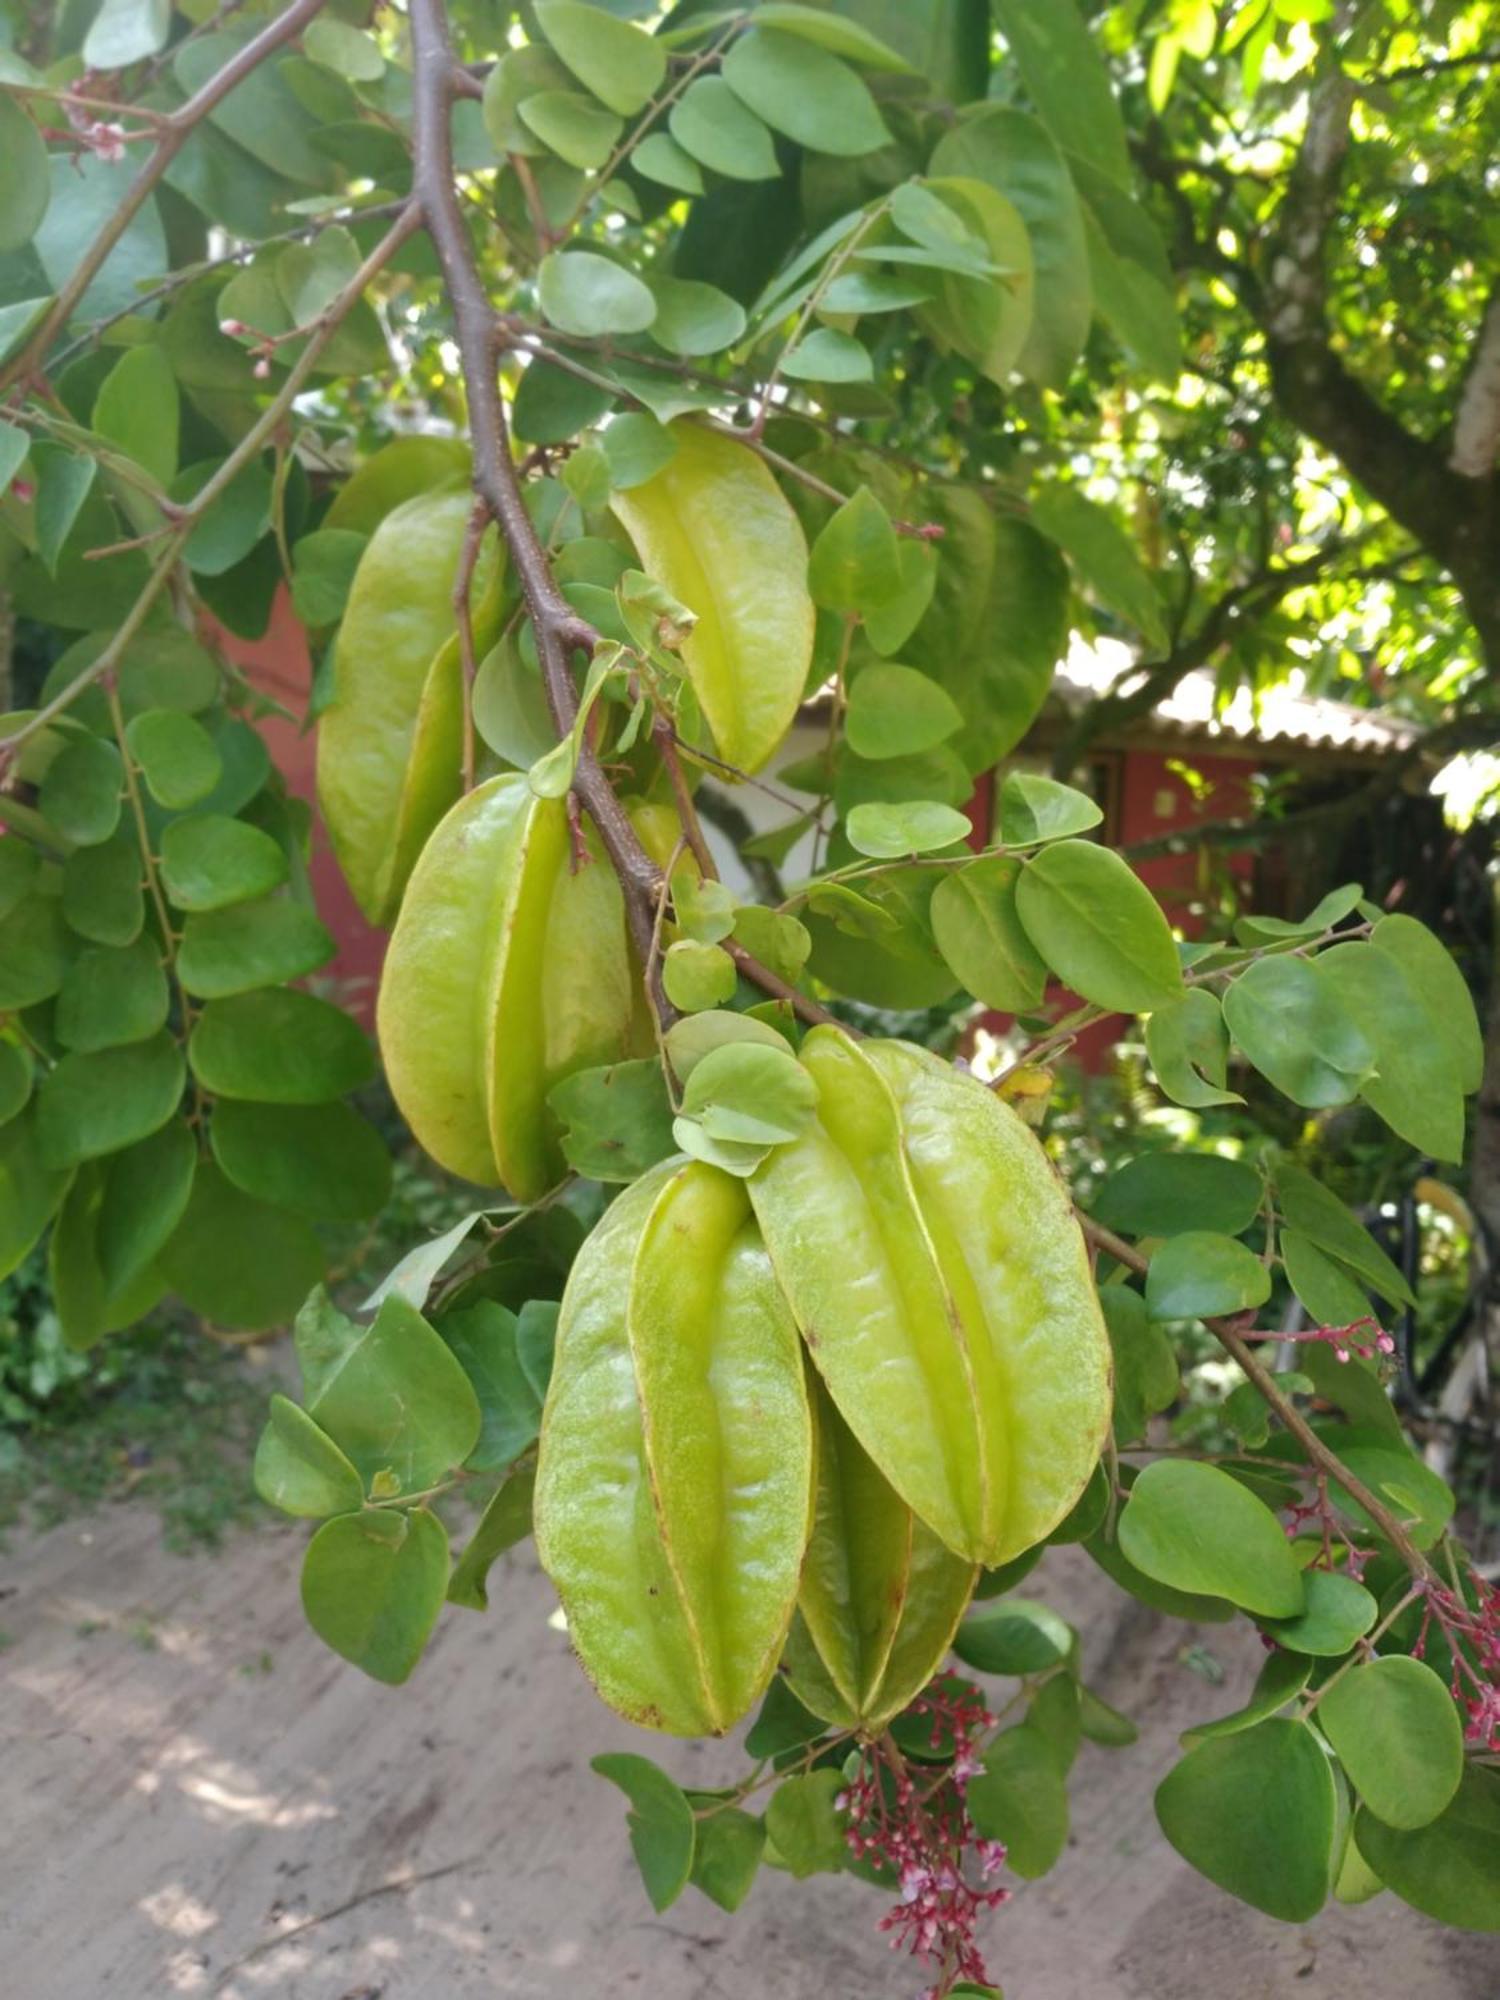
(279, 665)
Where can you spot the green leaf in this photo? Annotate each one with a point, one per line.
(233, 523)
(622, 65)
(1338, 1612)
(1328, 910)
(980, 934)
(1292, 1024)
(1035, 809)
(826, 355)
(279, 1047)
(693, 318)
(696, 976)
(236, 1261)
(890, 622)
(1255, 1813)
(1393, 1473)
(14, 446)
(1329, 1293)
(854, 558)
(896, 711)
(660, 1821)
(323, 566)
(18, 321)
(519, 74)
(1131, 278)
(1432, 972)
(1102, 1724)
(712, 126)
(835, 32)
(750, 1094)
(1416, 1087)
(346, 50)
(1019, 1797)
(1201, 1274)
(176, 755)
(1146, 1373)
(15, 1079)
(64, 480)
(1098, 927)
(1054, 1715)
(373, 1585)
(260, 113)
(804, 1826)
(726, 1857)
(1194, 1527)
(300, 1469)
(1309, 1207)
(1105, 556)
(616, 1121)
(1067, 81)
(30, 1190)
(637, 447)
(805, 92)
(224, 952)
(782, 1724)
(81, 795)
(146, 1189)
(95, 1102)
(391, 1394)
(661, 159)
(1449, 1869)
(86, 1310)
(25, 176)
(918, 826)
(572, 126)
(1280, 1680)
(583, 293)
(20, 865)
(697, 1036)
(110, 997)
(1013, 1635)
(319, 1160)
(1188, 1044)
(34, 952)
(484, 1340)
(209, 862)
(1162, 1194)
(504, 1522)
(1013, 153)
(137, 410)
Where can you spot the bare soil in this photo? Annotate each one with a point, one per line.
(197, 1799)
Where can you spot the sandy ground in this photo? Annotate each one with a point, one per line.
(197, 1799)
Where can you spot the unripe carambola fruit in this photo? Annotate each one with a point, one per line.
(390, 741)
(507, 971)
(931, 1258)
(674, 1479)
(716, 530)
(881, 1596)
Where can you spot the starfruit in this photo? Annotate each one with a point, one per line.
(931, 1258)
(674, 1478)
(507, 971)
(389, 743)
(881, 1596)
(715, 529)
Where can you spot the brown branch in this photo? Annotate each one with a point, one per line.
(1229, 1333)
(557, 626)
(176, 129)
(1476, 426)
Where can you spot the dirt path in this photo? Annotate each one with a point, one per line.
(197, 1799)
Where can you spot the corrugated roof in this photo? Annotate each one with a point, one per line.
(1278, 715)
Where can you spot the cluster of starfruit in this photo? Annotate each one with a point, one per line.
(793, 1410)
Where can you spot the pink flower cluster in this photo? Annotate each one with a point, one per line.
(1470, 1629)
(1364, 1337)
(918, 1828)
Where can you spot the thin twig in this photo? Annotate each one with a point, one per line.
(1230, 1335)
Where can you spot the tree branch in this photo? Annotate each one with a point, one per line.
(1228, 1333)
(1476, 427)
(478, 330)
(175, 131)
